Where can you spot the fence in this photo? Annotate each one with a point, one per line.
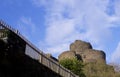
(37, 54)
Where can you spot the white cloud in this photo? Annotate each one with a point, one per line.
(117, 7)
(113, 19)
(82, 17)
(116, 55)
(56, 50)
(68, 20)
(59, 30)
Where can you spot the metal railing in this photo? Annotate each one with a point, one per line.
(34, 52)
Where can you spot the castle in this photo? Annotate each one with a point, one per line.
(83, 51)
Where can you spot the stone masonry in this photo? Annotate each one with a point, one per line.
(83, 51)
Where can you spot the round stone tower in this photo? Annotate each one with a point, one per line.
(83, 51)
(80, 46)
(66, 55)
(91, 55)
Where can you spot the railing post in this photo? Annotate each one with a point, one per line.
(40, 58)
(58, 68)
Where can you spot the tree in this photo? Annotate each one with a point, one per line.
(74, 65)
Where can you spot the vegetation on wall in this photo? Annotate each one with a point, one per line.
(89, 69)
(100, 70)
(74, 65)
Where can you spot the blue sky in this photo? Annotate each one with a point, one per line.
(53, 24)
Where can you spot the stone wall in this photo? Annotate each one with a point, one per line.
(67, 54)
(83, 51)
(15, 64)
(80, 46)
(91, 55)
(20, 58)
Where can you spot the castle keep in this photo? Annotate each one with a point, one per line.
(83, 51)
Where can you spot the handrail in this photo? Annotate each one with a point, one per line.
(39, 52)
